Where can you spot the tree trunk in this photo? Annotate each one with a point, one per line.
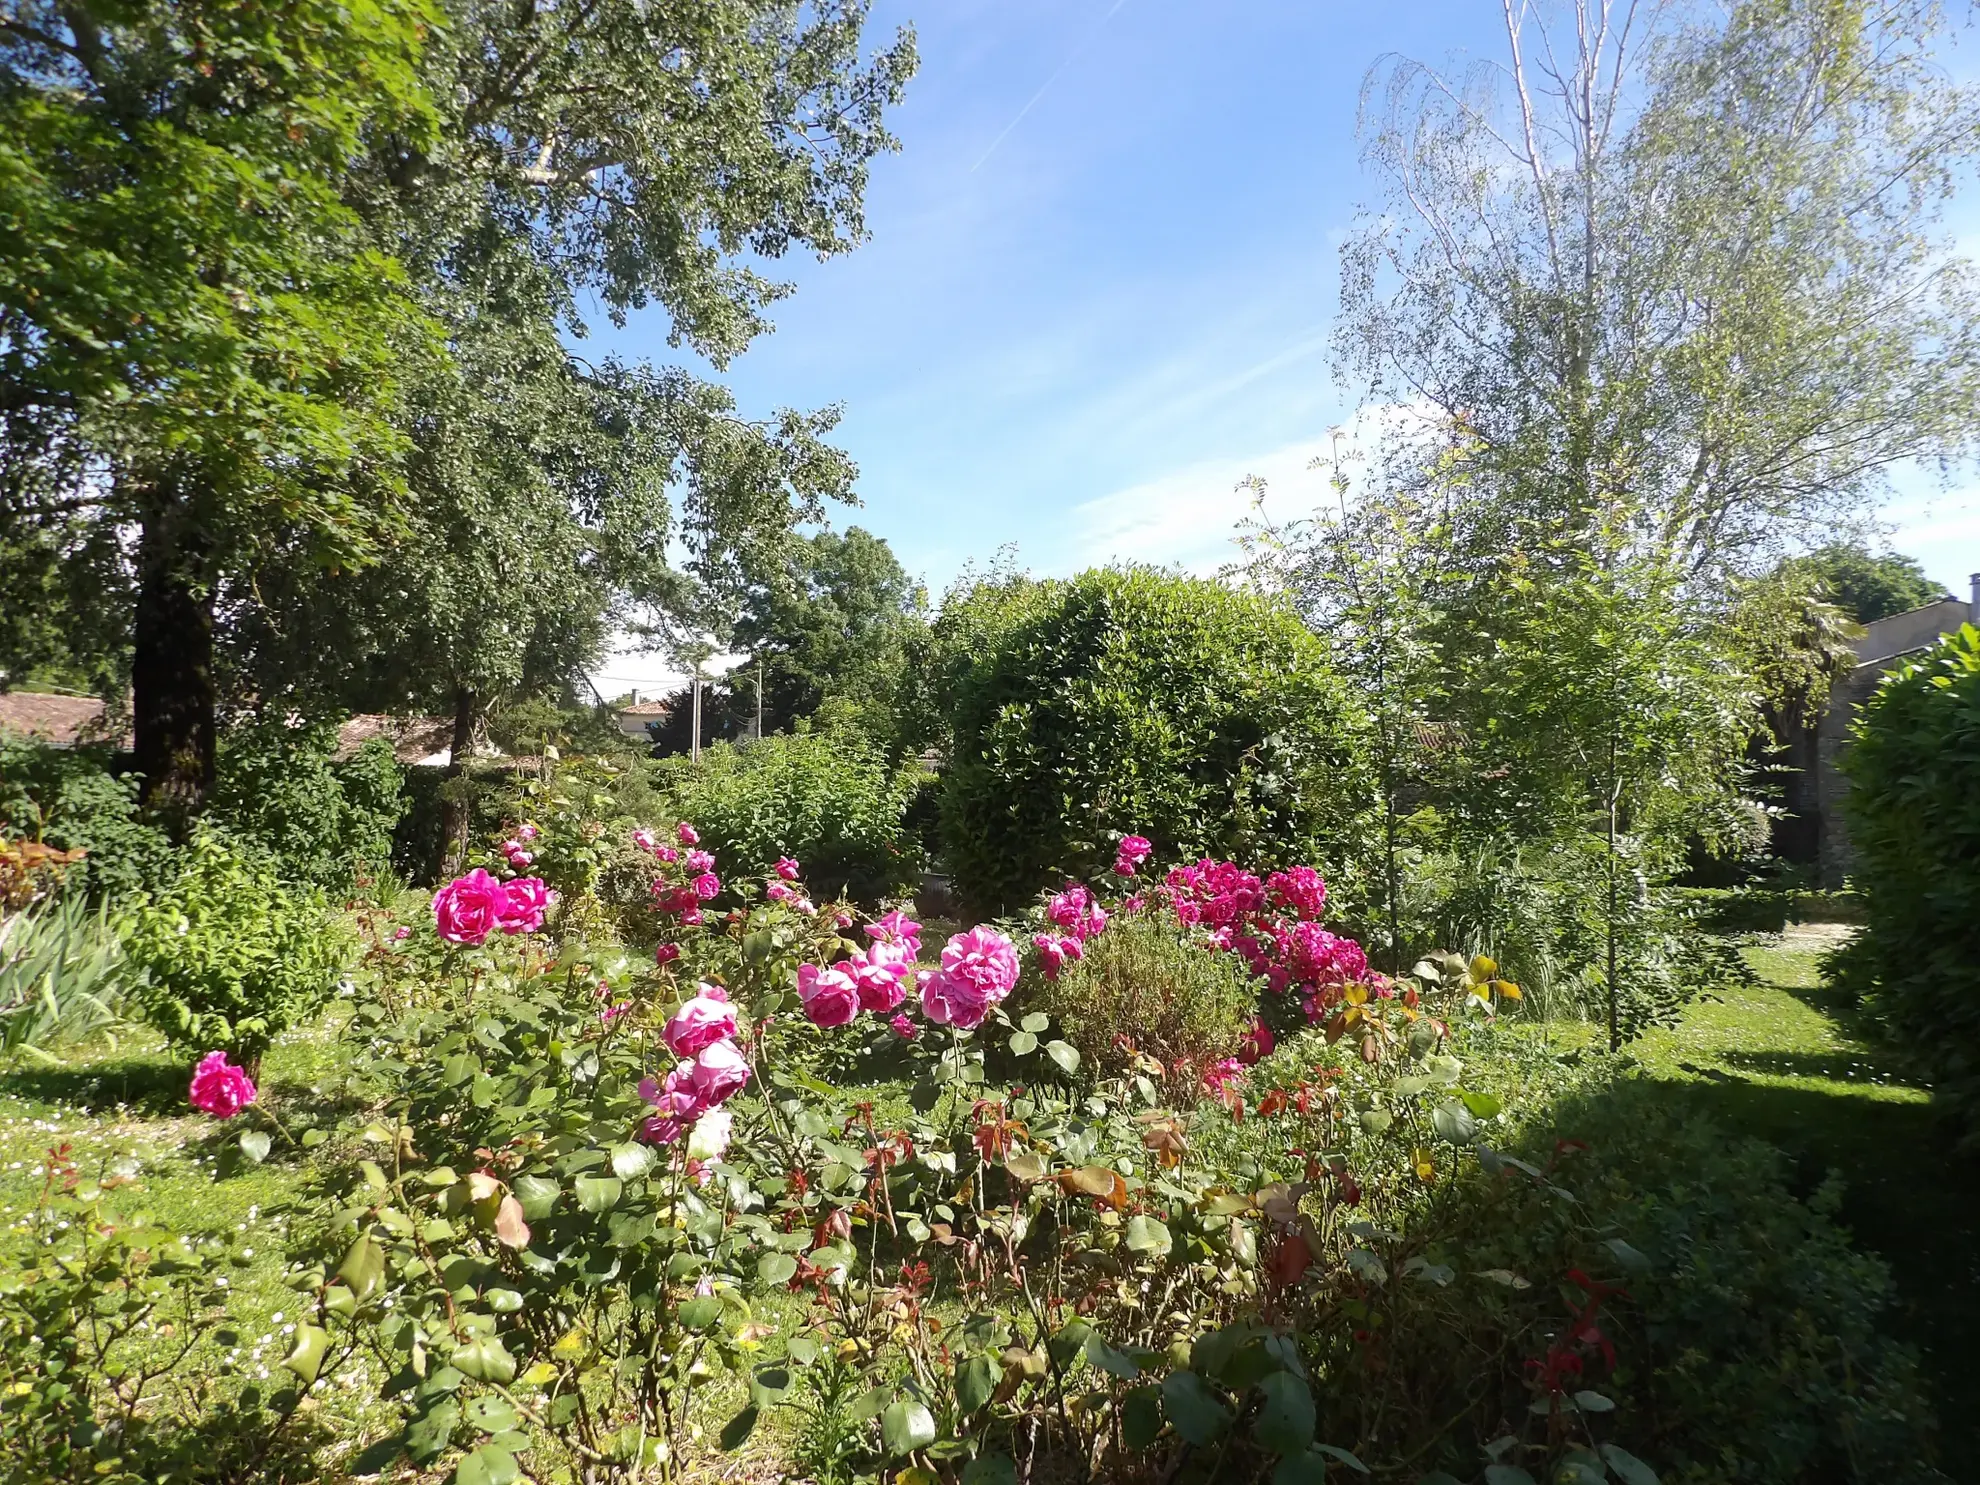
(456, 800)
(172, 691)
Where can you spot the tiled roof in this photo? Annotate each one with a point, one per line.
(61, 720)
(412, 738)
(646, 709)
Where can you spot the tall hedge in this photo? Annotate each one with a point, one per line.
(1129, 700)
(1914, 819)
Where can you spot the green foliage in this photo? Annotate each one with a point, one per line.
(1134, 700)
(1868, 586)
(830, 799)
(327, 824)
(835, 623)
(69, 798)
(101, 1309)
(61, 977)
(229, 955)
(1158, 984)
(1914, 815)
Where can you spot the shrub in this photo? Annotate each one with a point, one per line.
(61, 976)
(830, 799)
(1914, 815)
(229, 955)
(1133, 699)
(1159, 984)
(324, 822)
(69, 798)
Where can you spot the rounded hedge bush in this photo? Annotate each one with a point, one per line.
(1914, 820)
(1134, 701)
(829, 798)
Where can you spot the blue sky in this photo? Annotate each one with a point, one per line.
(1100, 279)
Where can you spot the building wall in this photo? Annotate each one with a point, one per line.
(1885, 645)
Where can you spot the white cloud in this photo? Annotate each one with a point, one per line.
(1189, 517)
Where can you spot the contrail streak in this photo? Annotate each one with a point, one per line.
(1071, 57)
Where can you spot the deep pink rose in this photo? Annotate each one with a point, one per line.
(880, 987)
(1221, 1074)
(787, 868)
(1134, 849)
(706, 885)
(645, 839)
(526, 833)
(719, 1070)
(904, 1028)
(667, 854)
(666, 953)
(830, 995)
(529, 900)
(1076, 912)
(698, 861)
(780, 892)
(687, 834)
(219, 1088)
(469, 908)
(1054, 950)
(701, 1022)
(985, 958)
(896, 928)
(953, 1000)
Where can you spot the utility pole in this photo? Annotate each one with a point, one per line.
(759, 692)
(694, 741)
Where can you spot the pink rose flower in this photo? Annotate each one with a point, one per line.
(527, 833)
(706, 885)
(469, 908)
(904, 1028)
(1134, 849)
(879, 984)
(953, 1000)
(219, 1088)
(692, 917)
(667, 854)
(519, 859)
(984, 957)
(898, 957)
(698, 861)
(701, 1022)
(687, 834)
(1054, 950)
(719, 1071)
(780, 892)
(842, 919)
(830, 995)
(666, 953)
(787, 868)
(1221, 1074)
(402, 932)
(528, 901)
(645, 839)
(1076, 912)
(896, 928)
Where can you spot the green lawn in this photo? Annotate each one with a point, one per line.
(1779, 1061)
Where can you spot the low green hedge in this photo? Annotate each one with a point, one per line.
(1765, 909)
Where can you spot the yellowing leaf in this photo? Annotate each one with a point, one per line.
(1483, 968)
(1425, 1163)
(1506, 989)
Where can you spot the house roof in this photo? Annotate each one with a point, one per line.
(65, 721)
(61, 720)
(646, 709)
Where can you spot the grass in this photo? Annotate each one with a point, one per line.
(1781, 1061)
(129, 1109)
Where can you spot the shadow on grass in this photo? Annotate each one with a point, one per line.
(1905, 1198)
(1840, 1066)
(150, 1085)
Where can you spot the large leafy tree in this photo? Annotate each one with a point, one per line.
(1674, 261)
(1867, 586)
(608, 155)
(834, 622)
(200, 346)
